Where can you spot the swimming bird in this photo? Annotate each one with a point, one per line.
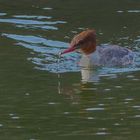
(103, 55)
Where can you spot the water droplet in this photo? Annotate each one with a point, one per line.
(94, 109)
(66, 113)
(128, 99)
(1, 125)
(75, 32)
(130, 76)
(27, 94)
(101, 104)
(100, 33)
(124, 27)
(15, 117)
(67, 37)
(107, 89)
(137, 116)
(18, 127)
(47, 8)
(90, 118)
(136, 106)
(116, 124)
(120, 11)
(11, 114)
(118, 86)
(51, 103)
(135, 79)
(101, 133)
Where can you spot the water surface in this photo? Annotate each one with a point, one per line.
(40, 99)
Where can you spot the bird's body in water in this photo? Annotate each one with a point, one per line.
(104, 55)
(108, 55)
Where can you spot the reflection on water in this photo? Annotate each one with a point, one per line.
(103, 105)
(48, 51)
(41, 98)
(3, 14)
(129, 11)
(32, 17)
(93, 75)
(32, 23)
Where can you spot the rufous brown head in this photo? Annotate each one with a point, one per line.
(85, 41)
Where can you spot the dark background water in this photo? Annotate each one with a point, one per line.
(37, 103)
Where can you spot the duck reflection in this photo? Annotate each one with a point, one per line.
(105, 106)
(89, 75)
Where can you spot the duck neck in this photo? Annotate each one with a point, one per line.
(89, 49)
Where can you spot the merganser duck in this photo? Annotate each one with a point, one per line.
(103, 55)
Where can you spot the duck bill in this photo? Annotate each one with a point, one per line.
(71, 49)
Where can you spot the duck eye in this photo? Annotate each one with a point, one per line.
(78, 46)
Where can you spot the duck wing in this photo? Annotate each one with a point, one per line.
(114, 55)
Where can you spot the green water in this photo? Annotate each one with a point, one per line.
(37, 102)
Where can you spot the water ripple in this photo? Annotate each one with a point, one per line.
(32, 17)
(128, 11)
(45, 27)
(47, 53)
(47, 8)
(36, 40)
(94, 109)
(30, 22)
(133, 11)
(3, 14)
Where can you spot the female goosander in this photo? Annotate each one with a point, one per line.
(104, 55)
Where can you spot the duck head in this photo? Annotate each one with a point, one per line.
(84, 41)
